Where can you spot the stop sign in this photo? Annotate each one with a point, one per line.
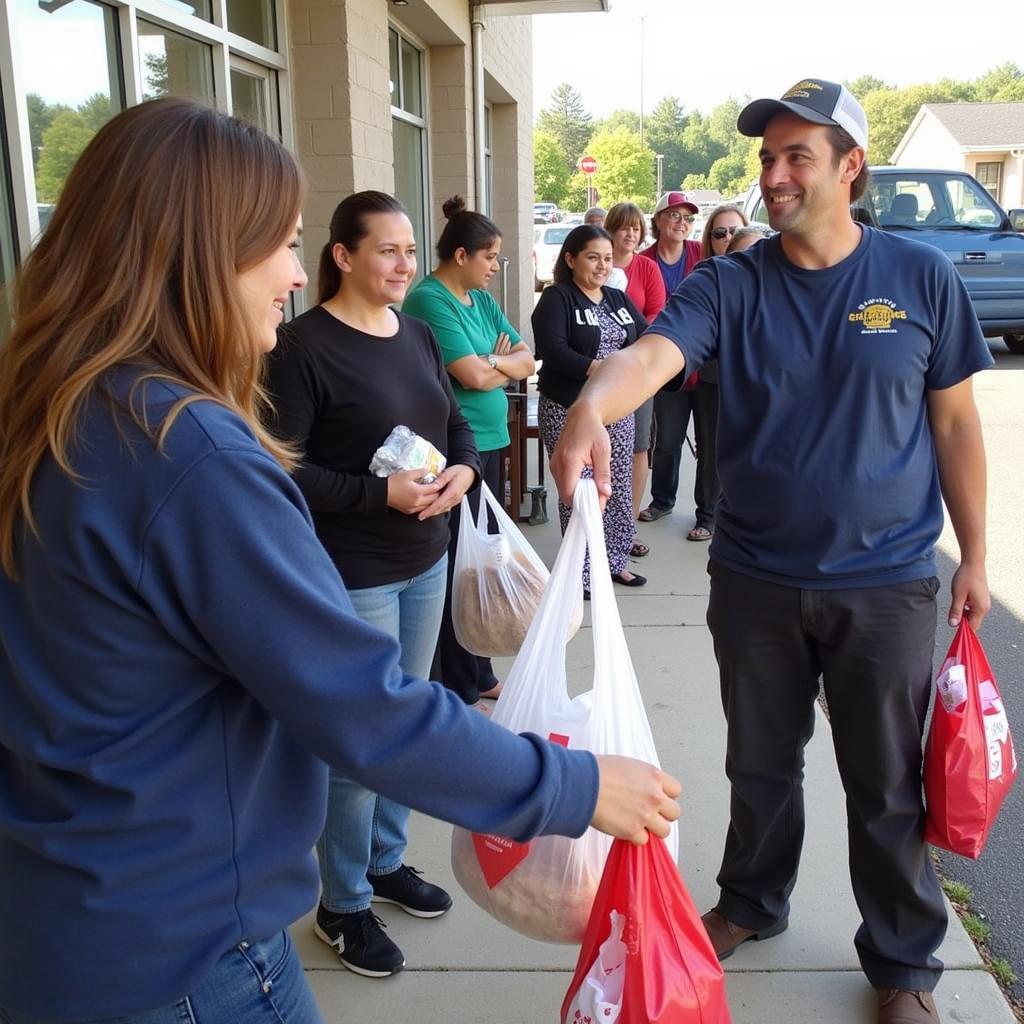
(588, 165)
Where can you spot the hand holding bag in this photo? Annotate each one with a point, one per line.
(970, 763)
(545, 888)
(646, 958)
(497, 583)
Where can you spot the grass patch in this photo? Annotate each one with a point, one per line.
(979, 932)
(1002, 972)
(957, 892)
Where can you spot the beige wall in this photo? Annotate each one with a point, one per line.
(341, 107)
(341, 104)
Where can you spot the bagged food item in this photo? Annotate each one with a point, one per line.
(404, 450)
(545, 888)
(646, 958)
(969, 763)
(497, 583)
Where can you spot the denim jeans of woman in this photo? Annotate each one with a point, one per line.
(254, 983)
(366, 833)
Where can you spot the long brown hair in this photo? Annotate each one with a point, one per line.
(139, 265)
(705, 238)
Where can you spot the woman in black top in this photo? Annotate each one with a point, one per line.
(343, 376)
(578, 322)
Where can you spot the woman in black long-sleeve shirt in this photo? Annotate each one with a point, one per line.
(344, 374)
(578, 321)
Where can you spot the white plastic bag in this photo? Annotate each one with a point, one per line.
(497, 583)
(599, 997)
(546, 888)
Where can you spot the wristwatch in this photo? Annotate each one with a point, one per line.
(492, 361)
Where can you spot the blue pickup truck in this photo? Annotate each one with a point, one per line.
(953, 212)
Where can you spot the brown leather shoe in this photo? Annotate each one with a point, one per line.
(896, 1006)
(726, 936)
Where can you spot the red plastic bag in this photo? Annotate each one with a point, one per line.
(969, 763)
(646, 958)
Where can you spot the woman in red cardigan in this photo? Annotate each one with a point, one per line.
(639, 277)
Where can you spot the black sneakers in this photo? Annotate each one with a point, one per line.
(360, 942)
(405, 888)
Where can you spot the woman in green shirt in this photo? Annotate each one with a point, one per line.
(482, 352)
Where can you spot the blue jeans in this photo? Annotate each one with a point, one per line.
(366, 833)
(254, 983)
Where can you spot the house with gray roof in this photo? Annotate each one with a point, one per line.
(983, 139)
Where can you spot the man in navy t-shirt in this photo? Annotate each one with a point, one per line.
(847, 415)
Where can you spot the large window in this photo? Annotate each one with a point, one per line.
(72, 85)
(68, 66)
(409, 128)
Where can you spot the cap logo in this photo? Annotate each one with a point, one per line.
(801, 90)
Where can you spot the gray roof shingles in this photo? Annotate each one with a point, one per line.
(982, 124)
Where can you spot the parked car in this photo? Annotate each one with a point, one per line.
(547, 242)
(545, 213)
(952, 211)
(572, 218)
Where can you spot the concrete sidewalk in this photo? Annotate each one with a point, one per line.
(465, 968)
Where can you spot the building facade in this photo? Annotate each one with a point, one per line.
(983, 139)
(367, 93)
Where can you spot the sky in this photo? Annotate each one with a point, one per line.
(760, 49)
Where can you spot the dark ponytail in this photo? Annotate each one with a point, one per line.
(348, 227)
(465, 230)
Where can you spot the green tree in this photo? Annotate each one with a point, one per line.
(625, 169)
(864, 84)
(63, 143)
(663, 132)
(95, 111)
(567, 120)
(40, 117)
(550, 174)
(1004, 83)
(890, 111)
(622, 118)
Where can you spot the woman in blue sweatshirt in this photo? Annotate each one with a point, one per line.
(180, 658)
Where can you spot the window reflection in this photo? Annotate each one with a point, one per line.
(65, 111)
(174, 64)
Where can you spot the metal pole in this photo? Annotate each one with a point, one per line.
(657, 192)
(503, 284)
(479, 113)
(643, 20)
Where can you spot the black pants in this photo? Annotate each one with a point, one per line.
(465, 673)
(874, 648)
(672, 411)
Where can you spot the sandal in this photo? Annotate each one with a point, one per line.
(699, 533)
(638, 550)
(636, 581)
(652, 514)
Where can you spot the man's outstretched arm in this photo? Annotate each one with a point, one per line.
(618, 385)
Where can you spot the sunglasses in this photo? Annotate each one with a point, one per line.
(720, 233)
(676, 216)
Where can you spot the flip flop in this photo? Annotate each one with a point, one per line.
(638, 550)
(699, 533)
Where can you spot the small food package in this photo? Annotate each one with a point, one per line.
(545, 888)
(404, 450)
(497, 583)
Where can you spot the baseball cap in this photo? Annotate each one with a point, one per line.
(671, 199)
(814, 100)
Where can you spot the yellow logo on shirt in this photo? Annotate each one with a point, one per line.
(877, 316)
